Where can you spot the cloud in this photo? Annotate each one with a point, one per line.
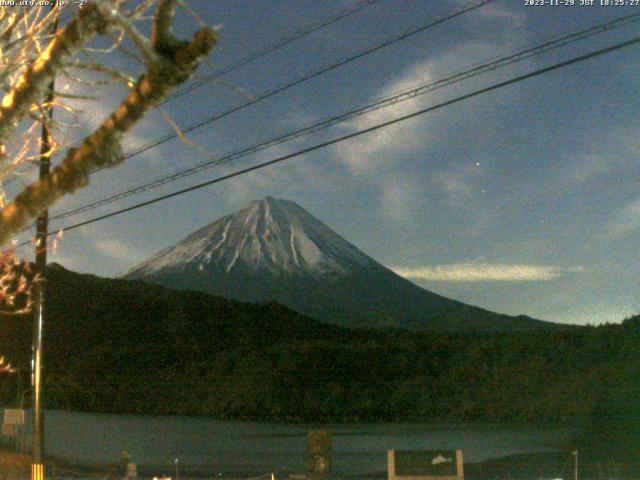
(588, 167)
(117, 250)
(364, 154)
(460, 183)
(111, 245)
(400, 197)
(626, 221)
(379, 156)
(500, 14)
(485, 272)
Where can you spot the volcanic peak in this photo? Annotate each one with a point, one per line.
(271, 234)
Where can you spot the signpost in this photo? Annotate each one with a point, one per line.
(319, 451)
(425, 465)
(13, 421)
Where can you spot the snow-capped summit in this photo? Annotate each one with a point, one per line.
(271, 234)
(273, 249)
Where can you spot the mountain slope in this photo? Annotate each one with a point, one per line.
(272, 235)
(275, 250)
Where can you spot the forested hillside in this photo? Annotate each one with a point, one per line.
(120, 346)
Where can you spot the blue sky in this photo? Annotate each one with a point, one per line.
(523, 200)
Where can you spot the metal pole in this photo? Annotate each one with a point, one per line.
(39, 292)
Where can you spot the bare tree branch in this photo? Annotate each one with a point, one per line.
(161, 35)
(33, 82)
(150, 55)
(103, 147)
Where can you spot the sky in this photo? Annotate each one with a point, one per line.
(523, 200)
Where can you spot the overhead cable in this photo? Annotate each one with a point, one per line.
(421, 89)
(379, 126)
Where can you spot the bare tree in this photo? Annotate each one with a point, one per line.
(167, 62)
(15, 284)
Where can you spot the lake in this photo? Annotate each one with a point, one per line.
(248, 448)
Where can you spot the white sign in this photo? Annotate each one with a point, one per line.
(13, 416)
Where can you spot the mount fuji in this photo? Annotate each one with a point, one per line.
(274, 250)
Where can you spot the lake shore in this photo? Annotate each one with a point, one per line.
(89, 444)
(529, 466)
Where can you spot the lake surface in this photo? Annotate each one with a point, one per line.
(247, 448)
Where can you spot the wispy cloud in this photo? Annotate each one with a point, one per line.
(460, 183)
(379, 155)
(400, 197)
(117, 250)
(366, 152)
(108, 245)
(485, 272)
(501, 15)
(588, 166)
(626, 221)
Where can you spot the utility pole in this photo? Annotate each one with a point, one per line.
(39, 287)
(575, 465)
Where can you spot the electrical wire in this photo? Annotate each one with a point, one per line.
(314, 27)
(422, 89)
(310, 75)
(299, 153)
(275, 46)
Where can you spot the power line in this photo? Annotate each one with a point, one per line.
(389, 41)
(270, 93)
(500, 62)
(343, 138)
(314, 27)
(275, 46)
(310, 75)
